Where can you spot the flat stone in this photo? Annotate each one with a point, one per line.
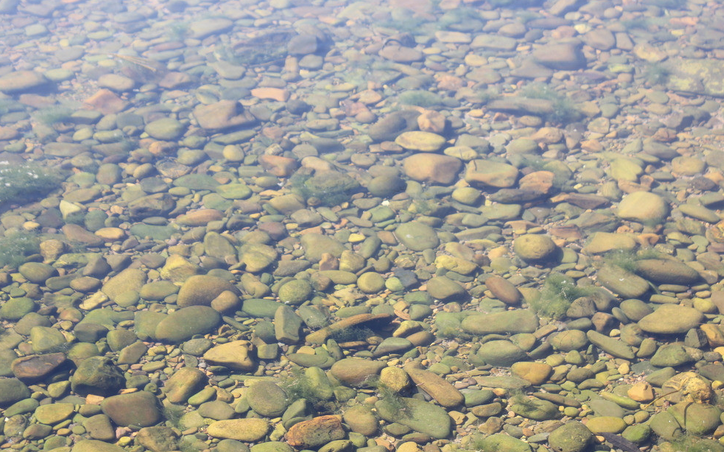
(247, 430)
(21, 81)
(671, 319)
(432, 168)
(233, 355)
(610, 345)
(137, 408)
(420, 141)
(356, 372)
(507, 322)
(316, 432)
(437, 387)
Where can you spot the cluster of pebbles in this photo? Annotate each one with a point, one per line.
(411, 225)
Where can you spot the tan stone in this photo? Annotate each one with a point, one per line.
(248, 430)
(437, 387)
(278, 165)
(277, 94)
(421, 141)
(111, 234)
(641, 392)
(535, 373)
(234, 355)
(432, 168)
(200, 217)
(106, 102)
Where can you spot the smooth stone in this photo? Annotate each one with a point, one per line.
(444, 289)
(432, 168)
(572, 436)
(130, 279)
(21, 81)
(603, 242)
(420, 141)
(12, 390)
(535, 373)
(535, 408)
(267, 399)
(295, 292)
(183, 324)
(356, 372)
(184, 383)
(34, 367)
(420, 416)
(606, 424)
(644, 207)
(622, 282)
(504, 290)
(247, 430)
(671, 319)
(501, 353)
(54, 413)
(610, 345)
(507, 322)
(417, 236)
(667, 271)
(671, 355)
(491, 173)
(503, 442)
(569, 340)
(46, 339)
(437, 387)
(233, 355)
(534, 247)
(315, 245)
(37, 272)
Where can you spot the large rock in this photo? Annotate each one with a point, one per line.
(572, 436)
(644, 207)
(421, 141)
(247, 430)
(130, 279)
(560, 56)
(137, 408)
(432, 168)
(233, 355)
(535, 247)
(622, 282)
(267, 399)
(437, 387)
(12, 390)
(222, 115)
(491, 173)
(667, 271)
(418, 415)
(316, 432)
(21, 81)
(200, 290)
(671, 319)
(356, 372)
(183, 324)
(417, 236)
(97, 375)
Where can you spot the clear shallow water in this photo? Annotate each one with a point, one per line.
(212, 185)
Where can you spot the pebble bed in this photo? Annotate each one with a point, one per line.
(373, 226)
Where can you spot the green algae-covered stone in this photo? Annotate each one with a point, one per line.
(183, 324)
